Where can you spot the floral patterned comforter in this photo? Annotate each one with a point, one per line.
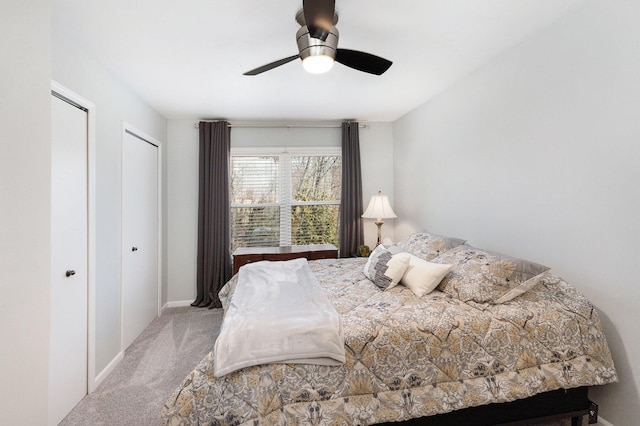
(409, 357)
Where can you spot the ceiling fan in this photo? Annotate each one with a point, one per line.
(318, 43)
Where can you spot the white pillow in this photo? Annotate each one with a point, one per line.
(423, 277)
(385, 269)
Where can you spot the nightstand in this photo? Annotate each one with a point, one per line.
(245, 255)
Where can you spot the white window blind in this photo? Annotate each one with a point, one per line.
(255, 196)
(285, 198)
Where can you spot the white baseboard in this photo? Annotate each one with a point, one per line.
(107, 370)
(603, 422)
(176, 304)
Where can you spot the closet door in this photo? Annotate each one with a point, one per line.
(140, 235)
(68, 326)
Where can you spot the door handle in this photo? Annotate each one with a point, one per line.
(70, 272)
(134, 248)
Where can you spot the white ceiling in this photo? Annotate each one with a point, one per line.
(186, 57)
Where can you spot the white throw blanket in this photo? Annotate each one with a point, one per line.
(278, 313)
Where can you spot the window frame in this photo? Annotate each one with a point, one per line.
(286, 201)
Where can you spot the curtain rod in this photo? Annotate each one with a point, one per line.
(284, 126)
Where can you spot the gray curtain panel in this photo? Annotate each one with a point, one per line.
(214, 258)
(351, 229)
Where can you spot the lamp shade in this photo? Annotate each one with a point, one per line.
(379, 208)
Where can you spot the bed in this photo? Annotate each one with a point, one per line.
(452, 350)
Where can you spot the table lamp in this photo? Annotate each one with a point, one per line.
(378, 209)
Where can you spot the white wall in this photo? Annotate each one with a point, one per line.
(376, 152)
(537, 155)
(182, 209)
(78, 71)
(376, 158)
(25, 193)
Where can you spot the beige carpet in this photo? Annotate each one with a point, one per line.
(153, 367)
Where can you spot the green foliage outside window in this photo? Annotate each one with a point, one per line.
(315, 179)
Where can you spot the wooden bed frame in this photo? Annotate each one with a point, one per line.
(558, 404)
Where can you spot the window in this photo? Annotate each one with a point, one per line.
(285, 198)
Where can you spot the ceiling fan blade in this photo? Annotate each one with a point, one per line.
(271, 65)
(318, 15)
(362, 61)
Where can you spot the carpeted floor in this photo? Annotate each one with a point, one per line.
(153, 366)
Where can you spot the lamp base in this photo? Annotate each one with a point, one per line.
(379, 224)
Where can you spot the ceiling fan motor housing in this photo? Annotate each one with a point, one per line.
(309, 46)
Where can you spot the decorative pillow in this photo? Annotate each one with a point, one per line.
(428, 246)
(393, 248)
(384, 268)
(488, 277)
(423, 277)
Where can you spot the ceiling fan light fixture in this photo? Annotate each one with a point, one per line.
(318, 47)
(317, 64)
(317, 55)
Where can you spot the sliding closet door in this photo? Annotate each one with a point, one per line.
(68, 341)
(139, 235)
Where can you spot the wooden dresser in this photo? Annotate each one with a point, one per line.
(245, 255)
